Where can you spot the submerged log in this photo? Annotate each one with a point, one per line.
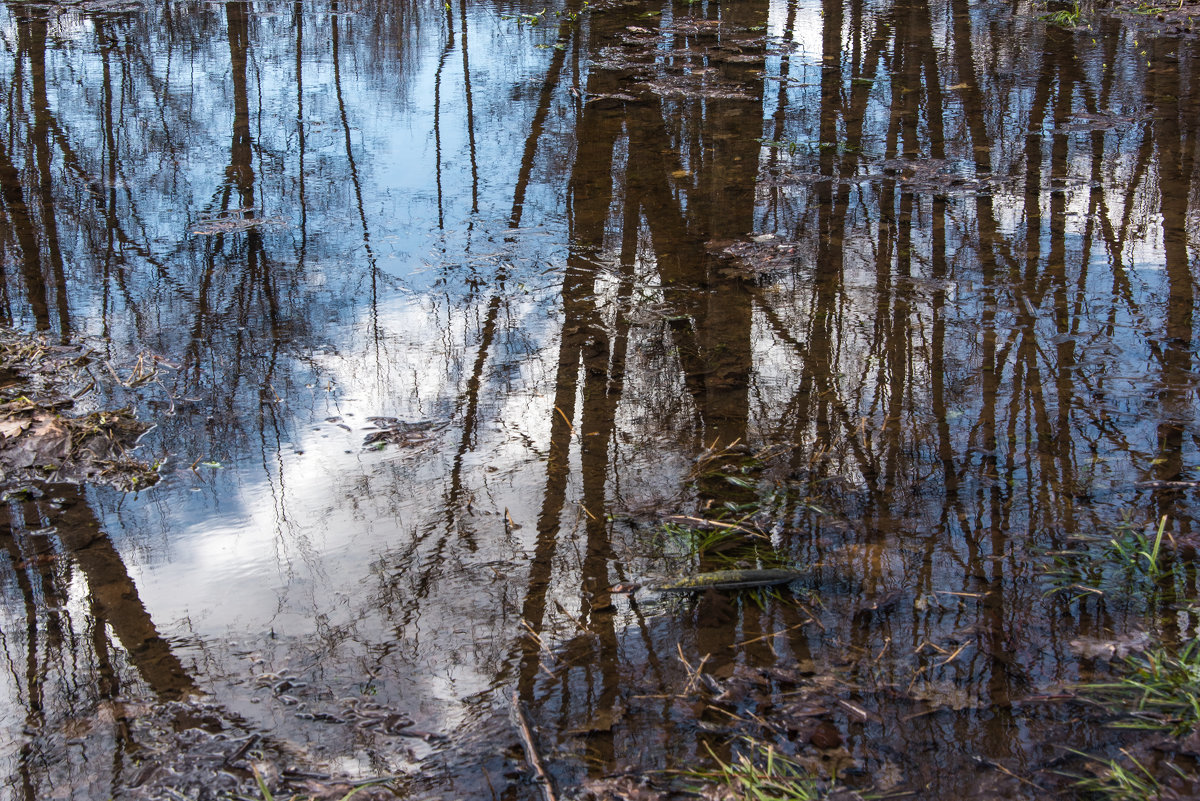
(729, 580)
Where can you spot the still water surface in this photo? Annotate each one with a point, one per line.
(904, 289)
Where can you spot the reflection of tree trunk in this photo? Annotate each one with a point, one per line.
(241, 153)
(22, 223)
(590, 196)
(376, 335)
(713, 332)
(469, 404)
(34, 671)
(301, 128)
(1176, 159)
(1054, 437)
(32, 42)
(536, 126)
(437, 114)
(990, 530)
(462, 6)
(832, 201)
(603, 379)
(110, 160)
(116, 598)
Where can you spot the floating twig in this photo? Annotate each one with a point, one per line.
(241, 752)
(702, 523)
(953, 656)
(774, 633)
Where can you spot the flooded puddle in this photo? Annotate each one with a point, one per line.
(584, 401)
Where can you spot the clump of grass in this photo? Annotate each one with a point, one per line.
(1137, 552)
(769, 777)
(1065, 17)
(1131, 555)
(1116, 782)
(1077, 570)
(699, 542)
(1161, 690)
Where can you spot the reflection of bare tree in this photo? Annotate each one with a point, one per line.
(994, 422)
(115, 598)
(941, 362)
(631, 185)
(72, 667)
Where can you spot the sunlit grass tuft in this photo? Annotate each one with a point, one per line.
(1065, 17)
(1134, 550)
(1116, 782)
(1127, 565)
(1161, 690)
(769, 777)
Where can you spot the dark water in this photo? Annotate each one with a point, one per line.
(905, 288)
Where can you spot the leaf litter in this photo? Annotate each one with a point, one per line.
(43, 433)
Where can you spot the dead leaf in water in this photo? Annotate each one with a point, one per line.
(1118, 647)
(946, 695)
(13, 428)
(619, 788)
(230, 224)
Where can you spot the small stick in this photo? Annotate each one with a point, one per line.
(855, 710)
(1155, 483)
(954, 655)
(811, 617)
(579, 624)
(241, 752)
(565, 420)
(488, 779)
(916, 676)
(531, 754)
(705, 523)
(915, 715)
(882, 651)
(773, 633)
(997, 766)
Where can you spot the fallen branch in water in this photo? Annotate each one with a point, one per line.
(531, 753)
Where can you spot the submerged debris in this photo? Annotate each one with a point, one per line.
(235, 221)
(41, 439)
(730, 580)
(1118, 647)
(763, 255)
(391, 430)
(195, 749)
(38, 441)
(652, 64)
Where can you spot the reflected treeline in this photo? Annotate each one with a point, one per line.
(959, 299)
(907, 286)
(206, 186)
(173, 189)
(69, 603)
